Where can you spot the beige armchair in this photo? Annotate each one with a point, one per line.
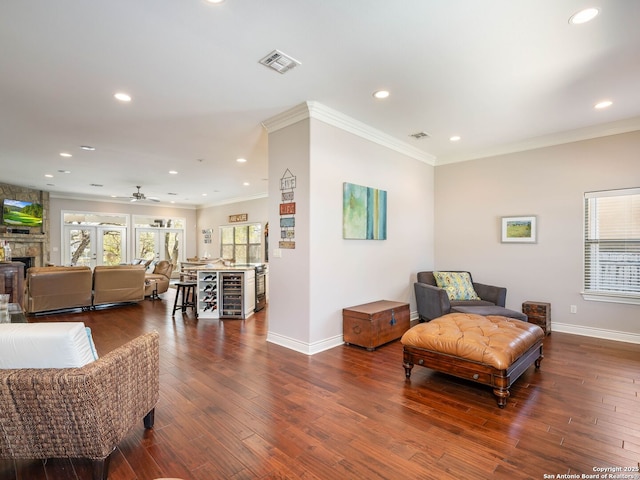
(80, 412)
(157, 282)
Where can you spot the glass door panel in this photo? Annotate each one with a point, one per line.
(91, 246)
(111, 247)
(147, 244)
(172, 241)
(80, 246)
(160, 244)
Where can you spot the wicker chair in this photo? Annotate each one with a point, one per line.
(80, 412)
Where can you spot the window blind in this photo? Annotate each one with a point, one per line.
(612, 243)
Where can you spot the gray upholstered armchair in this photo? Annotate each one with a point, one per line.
(433, 302)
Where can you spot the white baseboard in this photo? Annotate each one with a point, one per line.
(316, 347)
(596, 332)
(302, 347)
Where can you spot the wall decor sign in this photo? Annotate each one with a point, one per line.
(287, 211)
(240, 217)
(207, 233)
(364, 212)
(519, 229)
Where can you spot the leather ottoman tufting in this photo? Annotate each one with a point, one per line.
(491, 350)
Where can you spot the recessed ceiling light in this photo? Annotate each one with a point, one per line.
(87, 147)
(583, 16)
(123, 97)
(64, 171)
(246, 184)
(48, 175)
(380, 94)
(215, 2)
(65, 154)
(173, 172)
(204, 194)
(603, 104)
(455, 138)
(241, 160)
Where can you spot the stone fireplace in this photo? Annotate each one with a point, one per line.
(34, 244)
(28, 262)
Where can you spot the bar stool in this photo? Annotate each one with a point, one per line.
(188, 291)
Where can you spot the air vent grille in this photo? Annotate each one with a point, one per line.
(280, 62)
(420, 135)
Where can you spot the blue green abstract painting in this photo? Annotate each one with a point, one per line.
(364, 213)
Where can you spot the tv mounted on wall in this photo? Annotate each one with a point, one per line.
(18, 213)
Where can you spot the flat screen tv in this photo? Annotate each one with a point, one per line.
(17, 213)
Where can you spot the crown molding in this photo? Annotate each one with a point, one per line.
(587, 133)
(318, 111)
(88, 198)
(229, 201)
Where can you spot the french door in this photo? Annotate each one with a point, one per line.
(94, 245)
(160, 244)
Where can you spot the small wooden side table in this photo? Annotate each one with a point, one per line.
(539, 313)
(12, 281)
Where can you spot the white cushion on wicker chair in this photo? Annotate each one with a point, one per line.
(45, 345)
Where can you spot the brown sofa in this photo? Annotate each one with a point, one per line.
(62, 288)
(157, 282)
(118, 284)
(56, 288)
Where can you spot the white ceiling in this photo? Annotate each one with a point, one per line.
(503, 74)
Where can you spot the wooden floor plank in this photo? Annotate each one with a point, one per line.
(233, 406)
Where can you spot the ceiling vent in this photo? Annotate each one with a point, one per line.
(279, 61)
(420, 135)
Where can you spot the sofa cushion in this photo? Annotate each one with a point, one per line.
(457, 285)
(46, 345)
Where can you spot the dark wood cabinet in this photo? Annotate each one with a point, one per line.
(12, 281)
(373, 324)
(538, 313)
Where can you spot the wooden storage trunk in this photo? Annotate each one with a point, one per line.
(538, 313)
(373, 324)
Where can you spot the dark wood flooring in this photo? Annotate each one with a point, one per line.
(233, 406)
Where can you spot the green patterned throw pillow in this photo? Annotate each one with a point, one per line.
(457, 285)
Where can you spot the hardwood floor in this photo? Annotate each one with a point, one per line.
(233, 406)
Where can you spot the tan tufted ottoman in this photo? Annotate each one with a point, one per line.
(491, 350)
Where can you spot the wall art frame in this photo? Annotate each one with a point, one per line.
(520, 229)
(364, 212)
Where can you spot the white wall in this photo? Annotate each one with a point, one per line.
(471, 197)
(57, 205)
(326, 273)
(345, 273)
(216, 216)
(289, 275)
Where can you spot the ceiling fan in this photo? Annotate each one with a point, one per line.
(139, 196)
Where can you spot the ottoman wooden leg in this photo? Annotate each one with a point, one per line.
(407, 363)
(502, 394)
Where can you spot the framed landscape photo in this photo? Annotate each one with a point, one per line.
(519, 229)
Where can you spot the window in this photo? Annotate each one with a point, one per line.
(241, 243)
(612, 246)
